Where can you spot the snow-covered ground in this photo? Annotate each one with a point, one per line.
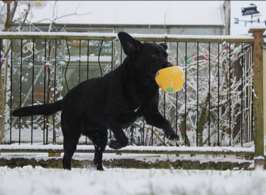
(40, 181)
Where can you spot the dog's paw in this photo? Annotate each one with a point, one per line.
(172, 135)
(100, 168)
(115, 145)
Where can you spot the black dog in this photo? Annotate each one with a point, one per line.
(112, 102)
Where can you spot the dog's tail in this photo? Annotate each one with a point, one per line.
(45, 109)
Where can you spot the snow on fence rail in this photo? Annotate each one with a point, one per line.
(37, 148)
(214, 109)
(111, 36)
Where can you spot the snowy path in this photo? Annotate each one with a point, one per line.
(39, 181)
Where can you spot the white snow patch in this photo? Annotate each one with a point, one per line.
(41, 181)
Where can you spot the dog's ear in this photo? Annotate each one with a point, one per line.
(164, 46)
(130, 45)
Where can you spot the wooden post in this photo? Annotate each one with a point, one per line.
(258, 99)
(264, 89)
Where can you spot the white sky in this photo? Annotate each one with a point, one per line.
(151, 12)
(131, 12)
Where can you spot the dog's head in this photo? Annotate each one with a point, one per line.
(147, 58)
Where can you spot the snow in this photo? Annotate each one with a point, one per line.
(129, 12)
(41, 181)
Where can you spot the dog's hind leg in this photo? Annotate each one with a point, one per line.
(71, 137)
(121, 139)
(70, 145)
(100, 140)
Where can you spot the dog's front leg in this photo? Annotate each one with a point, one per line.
(121, 139)
(157, 120)
(153, 117)
(99, 138)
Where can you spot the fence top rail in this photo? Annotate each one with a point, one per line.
(112, 36)
(132, 149)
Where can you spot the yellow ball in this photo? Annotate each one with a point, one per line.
(170, 79)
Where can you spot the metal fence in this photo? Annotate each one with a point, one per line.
(215, 108)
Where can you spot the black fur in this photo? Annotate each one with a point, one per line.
(111, 102)
(46, 109)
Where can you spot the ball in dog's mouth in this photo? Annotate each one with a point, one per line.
(170, 79)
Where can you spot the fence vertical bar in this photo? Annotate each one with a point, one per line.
(251, 99)
(99, 57)
(55, 64)
(242, 96)
(112, 67)
(164, 111)
(49, 50)
(44, 87)
(152, 135)
(32, 88)
(79, 63)
(229, 94)
(88, 58)
(218, 96)
(2, 108)
(245, 123)
(11, 90)
(248, 107)
(258, 100)
(20, 85)
(209, 93)
(176, 95)
(197, 128)
(142, 133)
(121, 54)
(88, 73)
(112, 55)
(185, 91)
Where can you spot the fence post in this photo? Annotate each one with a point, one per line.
(2, 104)
(258, 99)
